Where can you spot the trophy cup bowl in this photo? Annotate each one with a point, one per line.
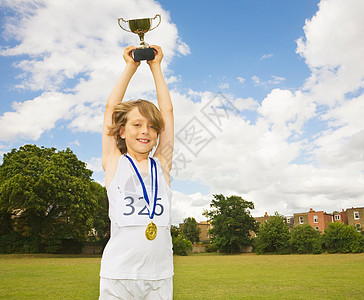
(141, 27)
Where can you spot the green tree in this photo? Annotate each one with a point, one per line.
(305, 239)
(273, 236)
(341, 238)
(50, 196)
(181, 246)
(9, 240)
(175, 231)
(190, 230)
(231, 222)
(101, 222)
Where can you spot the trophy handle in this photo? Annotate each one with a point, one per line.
(121, 19)
(160, 19)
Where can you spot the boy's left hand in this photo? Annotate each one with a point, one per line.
(158, 55)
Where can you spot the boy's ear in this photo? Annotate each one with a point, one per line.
(121, 132)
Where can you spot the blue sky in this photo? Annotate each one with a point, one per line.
(231, 39)
(286, 77)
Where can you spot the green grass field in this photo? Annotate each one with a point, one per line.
(245, 276)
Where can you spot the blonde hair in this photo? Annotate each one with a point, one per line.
(120, 117)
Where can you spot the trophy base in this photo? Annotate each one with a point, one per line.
(143, 54)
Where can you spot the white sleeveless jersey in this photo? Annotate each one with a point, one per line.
(129, 254)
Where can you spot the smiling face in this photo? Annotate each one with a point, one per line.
(139, 134)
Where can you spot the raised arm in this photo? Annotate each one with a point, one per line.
(164, 151)
(110, 151)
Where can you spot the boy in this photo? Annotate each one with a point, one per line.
(137, 262)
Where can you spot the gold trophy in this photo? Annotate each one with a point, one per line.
(141, 27)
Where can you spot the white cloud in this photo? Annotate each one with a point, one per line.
(274, 80)
(94, 164)
(240, 79)
(256, 79)
(266, 56)
(76, 143)
(333, 48)
(287, 111)
(183, 48)
(185, 206)
(224, 86)
(30, 119)
(246, 104)
(343, 143)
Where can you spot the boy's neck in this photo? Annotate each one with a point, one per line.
(141, 160)
(139, 157)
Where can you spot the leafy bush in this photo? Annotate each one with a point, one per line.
(211, 248)
(305, 240)
(341, 238)
(11, 243)
(181, 246)
(273, 236)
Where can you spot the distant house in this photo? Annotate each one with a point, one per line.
(340, 217)
(320, 220)
(205, 226)
(355, 217)
(289, 220)
(263, 219)
(300, 219)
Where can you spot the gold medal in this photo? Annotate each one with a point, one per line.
(151, 231)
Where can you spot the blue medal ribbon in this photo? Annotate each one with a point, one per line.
(153, 168)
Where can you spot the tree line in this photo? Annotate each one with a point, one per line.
(274, 237)
(233, 228)
(50, 204)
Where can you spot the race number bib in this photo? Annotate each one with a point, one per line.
(134, 210)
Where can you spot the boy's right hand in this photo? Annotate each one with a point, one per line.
(128, 56)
